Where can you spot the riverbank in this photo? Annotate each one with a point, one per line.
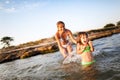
(47, 45)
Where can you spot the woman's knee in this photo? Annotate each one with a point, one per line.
(63, 51)
(69, 48)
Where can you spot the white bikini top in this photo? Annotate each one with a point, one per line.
(61, 39)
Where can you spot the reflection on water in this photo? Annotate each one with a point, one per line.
(50, 67)
(77, 72)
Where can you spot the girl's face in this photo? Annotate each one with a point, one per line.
(61, 27)
(84, 39)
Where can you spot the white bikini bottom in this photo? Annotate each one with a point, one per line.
(65, 46)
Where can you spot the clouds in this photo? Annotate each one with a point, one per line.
(19, 5)
(7, 2)
(31, 6)
(8, 10)
(12, 9)
(7, 6)
(32, 19)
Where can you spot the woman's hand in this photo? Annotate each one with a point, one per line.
(62, 48)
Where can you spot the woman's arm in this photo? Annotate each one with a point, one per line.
(91, 46)
(58, 41)
(71, 37)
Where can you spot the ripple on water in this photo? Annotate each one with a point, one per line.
(50, 67)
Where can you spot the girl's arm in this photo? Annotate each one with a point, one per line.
(91, 46)
(71, 37)
(80, 49)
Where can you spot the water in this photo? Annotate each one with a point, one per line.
(50, 67)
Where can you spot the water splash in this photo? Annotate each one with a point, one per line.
(53, 67)
(74, 57)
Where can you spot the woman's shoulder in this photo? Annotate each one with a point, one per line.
(57, 34)
(67, 30)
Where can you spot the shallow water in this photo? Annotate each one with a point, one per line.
(50, 67)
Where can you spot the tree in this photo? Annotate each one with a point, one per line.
(6, 41)
(110, 25)
(118, 23)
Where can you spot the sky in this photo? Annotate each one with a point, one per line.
(30, 20)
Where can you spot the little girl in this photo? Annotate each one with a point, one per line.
(85, 48)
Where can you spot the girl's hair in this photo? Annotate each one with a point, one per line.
(80, 34)
(61, 22)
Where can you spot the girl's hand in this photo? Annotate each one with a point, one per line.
(83, 47)
(91, 46)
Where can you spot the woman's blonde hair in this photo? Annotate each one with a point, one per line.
(61, 22)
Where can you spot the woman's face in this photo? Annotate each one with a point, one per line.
(84, 39)
(61, 27)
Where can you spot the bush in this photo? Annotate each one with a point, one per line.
(118, 23)
(109, 25)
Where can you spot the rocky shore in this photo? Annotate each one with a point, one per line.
(47, 45)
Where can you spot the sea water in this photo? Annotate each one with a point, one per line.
(50, 66)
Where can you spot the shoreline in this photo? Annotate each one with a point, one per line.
(47, 45)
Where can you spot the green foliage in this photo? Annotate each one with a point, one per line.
(6, 41)
(118, 23)
(110, 25)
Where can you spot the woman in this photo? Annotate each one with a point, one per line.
(62, 37)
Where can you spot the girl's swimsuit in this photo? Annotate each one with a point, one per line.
(87, 49)
(87, 63)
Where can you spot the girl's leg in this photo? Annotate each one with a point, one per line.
(63, 52)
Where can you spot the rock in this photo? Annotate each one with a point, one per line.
(27, 50)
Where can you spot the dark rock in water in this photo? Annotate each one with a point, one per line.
(40, 50)
(47, 45)
(24, 53)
